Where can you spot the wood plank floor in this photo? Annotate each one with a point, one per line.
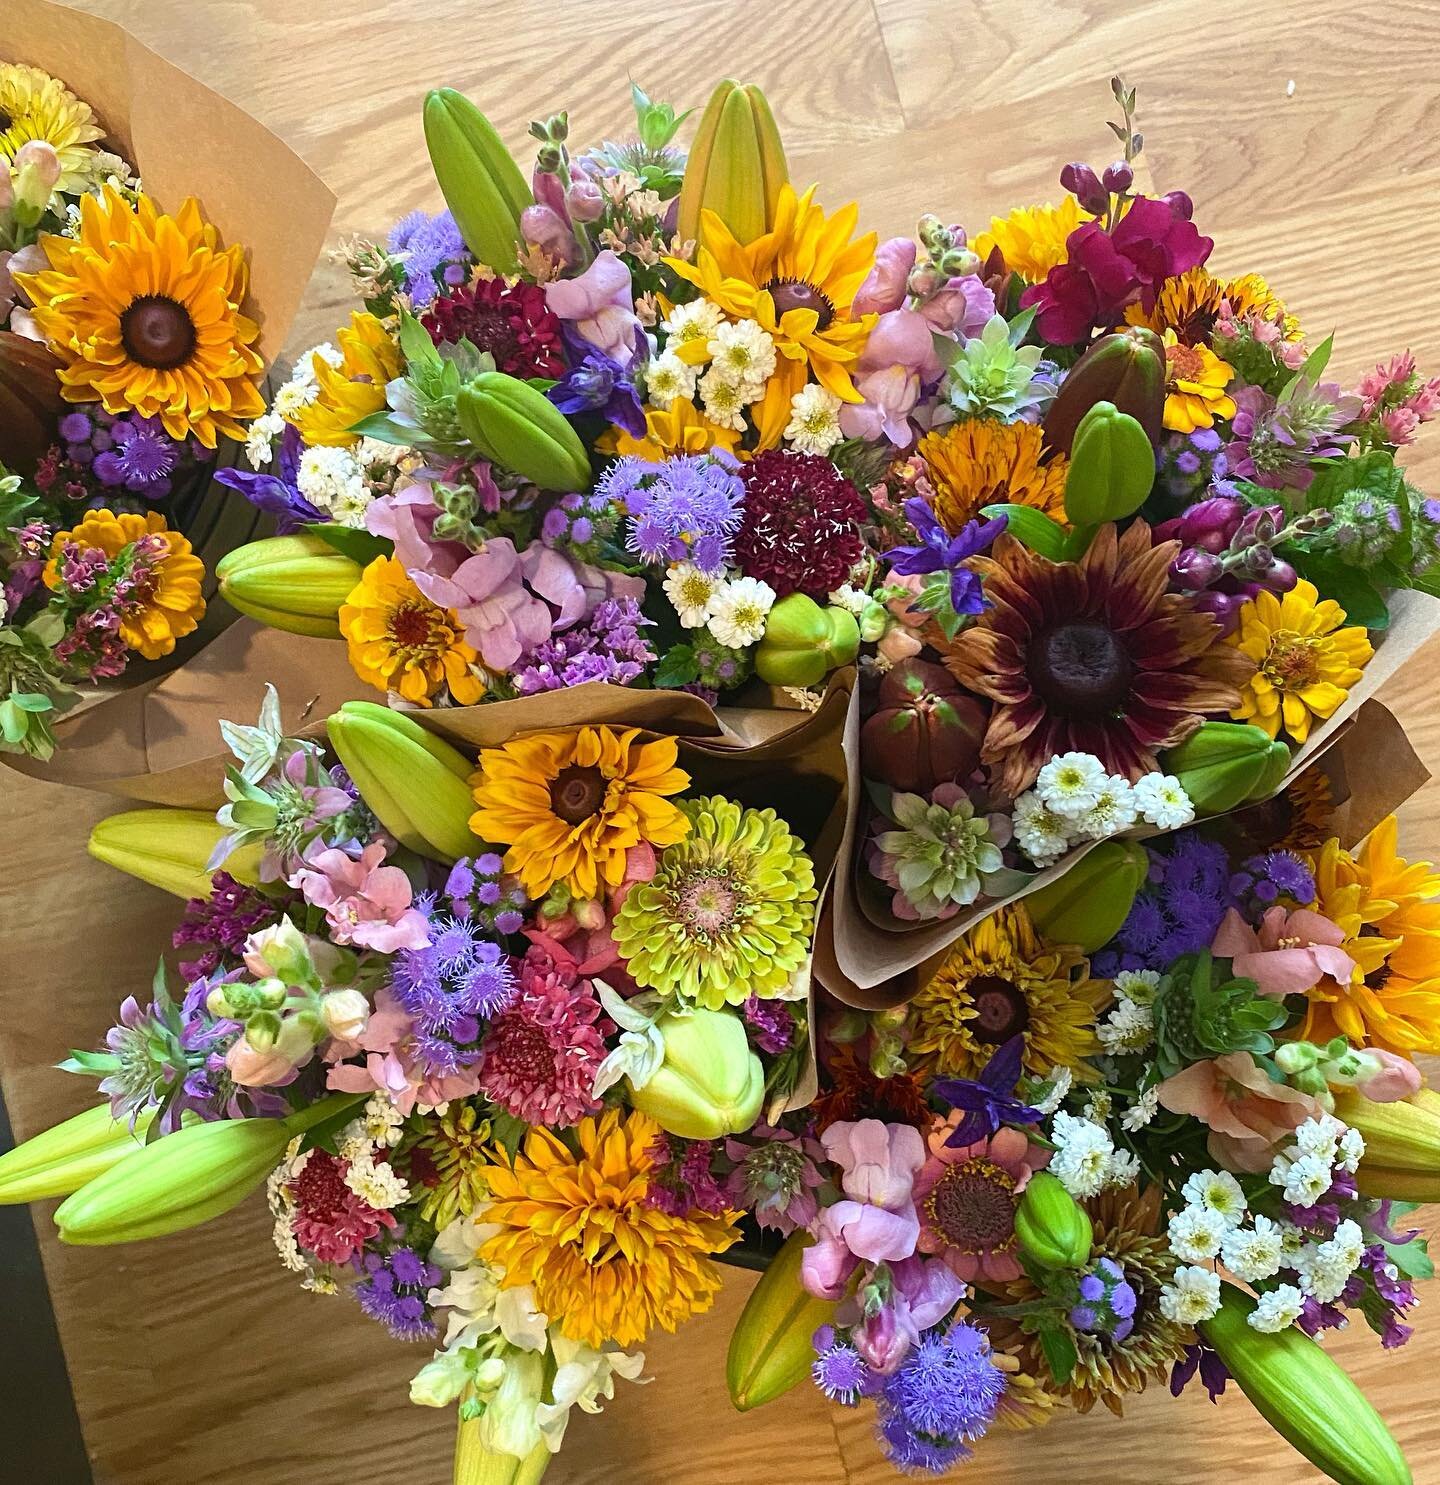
(1309, 137)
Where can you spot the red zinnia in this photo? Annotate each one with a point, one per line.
(801, 529)
(1092, 656)
(511, 321)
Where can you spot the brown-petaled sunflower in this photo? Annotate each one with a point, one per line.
(1093, 656)
(980, 462)
(143, 309)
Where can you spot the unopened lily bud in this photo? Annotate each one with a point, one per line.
(1084, 185)
(1118, 177)
(346, 1013)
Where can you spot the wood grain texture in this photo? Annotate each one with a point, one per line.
(195, 1360)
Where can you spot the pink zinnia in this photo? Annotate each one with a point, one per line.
(330, 1221)
(543, 1050)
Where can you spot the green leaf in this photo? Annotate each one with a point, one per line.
(509, 1132)
(1059, 1352)
(415, 343)
(353, 541)
(1033, 528)
(384, 428)
(677, 667)
(33, 701)
(1375, 473)
(1412, 1258)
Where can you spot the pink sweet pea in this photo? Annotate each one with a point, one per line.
(884, 287)
(365, 902)
(600, 305)
(1290, 952)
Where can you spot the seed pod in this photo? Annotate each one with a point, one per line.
(1126, 368)
(1052, 1228)
(1087, 905)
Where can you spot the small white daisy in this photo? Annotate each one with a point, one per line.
(1217, 1191)
(814, 426)
(668, 377)
(689, 328)
(1197, 1234)
(691, 592)
(1254, 1253)
(1192, 1297)
(1142, 1111)
(744, 353)
(725, 400)
(1277, 1309)
(1163, 802)
(1070, 783)
(738, 611)
(1043, 835)
(1113, 811)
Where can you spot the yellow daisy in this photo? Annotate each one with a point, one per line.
(605, 1264)
(679, 429)
(1190, 303)
(569, 805)
(1032, 238)
(144, 310)
(1195, 383)
(1002, 980)
(797, 281)
(982, 462)
(1305, 660)
(399, 641)
(34, 105)
(355, 389)
(166, 602)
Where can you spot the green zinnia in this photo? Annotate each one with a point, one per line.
(729, 911)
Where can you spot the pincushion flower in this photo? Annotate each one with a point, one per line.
(1195, 383)
(980, 462)
(604, 1263)
(34, 105)
(570, 805)
(800, 527)
(143, 310)
(940, 855)
(729, 911)
(1287, 954)
(797, 282)
(400, 641)
(1092, 656)
(1032, 239)
(1305, 659)
(355, 389)
(160, 599)
(510, 322)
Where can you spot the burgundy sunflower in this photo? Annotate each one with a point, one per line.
(511, 321)
(1091, 656)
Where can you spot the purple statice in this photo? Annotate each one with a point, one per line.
(479, 889)
(839, 1370)
(1176, 913)
(1387, 1297)
(93, 647)
(600, 385)
(1262, 881)
(1325, 1215)
(219, 924)
(776, 1176)
(393, 1292)
(1277, 441)
(681, 1180)
(1316, 1317)
(608, 646)
(276, 494)
(431, 250)
(771, 1026)
(938, 551)
(451, 988)
(684, 509)
(1212, 1371)
(943, 1397)
(1104, 1302)
(989, 1100)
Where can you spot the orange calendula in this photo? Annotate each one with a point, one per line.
(980, 462)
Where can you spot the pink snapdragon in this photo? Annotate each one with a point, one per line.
(600, 305)
(365, 902)
(885, 286)
(1247, 1112)
(1288, 954)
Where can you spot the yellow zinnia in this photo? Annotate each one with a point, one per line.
(569, 805)
(1195, 383)
(982, 462)
(1190, 304)
(399, 641)
(144, 310)
(1305, 662)
(1032, 238)
(165, 603)
(680, 428)
(34, 105)
(355, 389)
(606, 1265)
(1002, 980)
(1386, 907)
(798, 282)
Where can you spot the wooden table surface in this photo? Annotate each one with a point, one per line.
(1309, 138)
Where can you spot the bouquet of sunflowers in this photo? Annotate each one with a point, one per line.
(1064, 1046)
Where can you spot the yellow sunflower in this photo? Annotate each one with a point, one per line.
(1001, 980)
(143, 309)
(679, 429)
(1195, 383)
(355, 389)
(982, 462)
(605, 1264)
(165, 602)
(1189, 304)
(1032, 238)
(34, 105)
(797, 281)
(1387, 909)
(400, 641)
(569, 805)
(1305, 660)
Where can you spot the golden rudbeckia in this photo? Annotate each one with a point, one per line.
(1032, 239)
(680, 428)
(355, 389)
(604, 1263)
(143, 309)
(1195, 383)
(980, 462)
(1306, 661)
(166, 602)
(34, 105)
(1190, 303)
(569, 805)
(399, 641)
(798, 282)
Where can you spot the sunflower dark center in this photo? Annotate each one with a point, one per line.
(972, 1206)
(1080, 668)
(157, 332)
(796, 293)
(1001, 1010)
(577, 793)
(5, 120)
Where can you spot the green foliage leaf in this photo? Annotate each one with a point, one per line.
(677, 667)
(353, 541)
(1059, 1352)
(509, 1132)
(1350, 587)
(1033, 528)
(382, 427)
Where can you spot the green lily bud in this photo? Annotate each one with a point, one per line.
(61, 1160)
(514, 425)
(477, 1465)
(770, 1349)
(170, 849)
(1305, 1396)
(710, 1083)
(1112, 467)
(1126, 369)
(296, 583)
(804, 642)
(1087, 905)
(1402, 1144)
(1223, 764)
(1052, 1228)
(736, 165)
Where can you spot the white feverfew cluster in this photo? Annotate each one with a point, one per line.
(735, 609)
(1086, 1161)
(1325, 1268)
(668, 377)
(1129, 1026)
(1191, 1296)
(1305, 1169)
(300, 391)
(814, 426)
(373, 1181)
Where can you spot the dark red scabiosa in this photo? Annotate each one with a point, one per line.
(1093, 656)
(801, 528)
(511, 321)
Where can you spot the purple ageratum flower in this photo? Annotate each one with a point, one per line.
(943, 1396)
(276, 494)
(938, 551)
(1177, 912)
(597, 383)
(840, 1372)
(480, 888)
(1263, 880)
(142, 458)
(393, 1292)
(685, 509)
(989, 1100)
(1107, 1302)
(432, 246)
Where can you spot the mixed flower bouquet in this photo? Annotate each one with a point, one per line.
(521, 1035)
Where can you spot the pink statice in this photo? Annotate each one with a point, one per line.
(542, 1052)
(682, 1181)
(365, 902)
(1395, 399)
(330, 1221)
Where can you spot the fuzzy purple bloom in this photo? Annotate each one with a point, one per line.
(430, 245)
(686, 509)
(479, 888)
(393, 1292)
(841, 1374)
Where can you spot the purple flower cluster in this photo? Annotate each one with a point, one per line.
(1190, 464)
(771, 1026)
(434, 251)
(1176, 913)
(393, 1292)
(102, 457)
(1276, 442)
(937, 551)
(220, 924)
(839, 1370)
(686, 509)
(1212, 1371)
(682, 1181)
(942, 1398)
(598, 383)
(608, 646)
(1263, 880)
(103, 589)
(1105, 1302)
(580, 523)
(479, 889)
